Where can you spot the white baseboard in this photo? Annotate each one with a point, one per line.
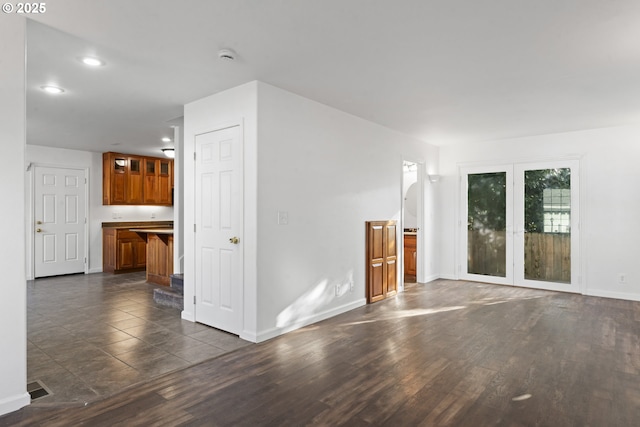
(249, 336)
(431, 278)
(317, 317)
(188, 315)
(13, 403)
(609, 294)
(95, 270)
(448, 276)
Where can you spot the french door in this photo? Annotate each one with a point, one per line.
(520, 225)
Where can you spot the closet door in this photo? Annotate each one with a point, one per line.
(382, 257)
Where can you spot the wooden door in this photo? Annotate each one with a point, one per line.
(60, 221)
(165, 181)
(114, 179)
(150, 191)
(218, 239)
(134, 181)
(125, 254)
(382, 256)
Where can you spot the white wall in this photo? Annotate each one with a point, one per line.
(57, 157)
(178, 209)
(331, 172)
(609, 202)
(13, 305)
(233, 106)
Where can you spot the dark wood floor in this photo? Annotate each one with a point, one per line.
(445, 353)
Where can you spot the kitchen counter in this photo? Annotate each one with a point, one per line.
(138, 224)
(153, 230)
(139, 245)
(159, 253)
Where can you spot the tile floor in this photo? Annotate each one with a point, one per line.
(90, 336)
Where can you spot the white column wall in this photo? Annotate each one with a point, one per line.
(330, 172)
(609, 204)
(13, 305)
(237, 105)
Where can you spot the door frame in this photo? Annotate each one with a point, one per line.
(31, 220)
(578, 261)
(420, 243)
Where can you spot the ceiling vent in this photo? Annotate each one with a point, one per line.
(226, 54)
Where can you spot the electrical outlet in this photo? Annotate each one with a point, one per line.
(337, 290)
(283, 218)
(350, 286)
(622, 278)
(114, 215)
(153, 215)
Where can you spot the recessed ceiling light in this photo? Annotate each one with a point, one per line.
(52, 89)
(166, 139)
(91, 61)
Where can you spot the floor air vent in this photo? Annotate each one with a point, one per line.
(36, 390)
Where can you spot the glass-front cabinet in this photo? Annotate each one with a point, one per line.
(136, 180)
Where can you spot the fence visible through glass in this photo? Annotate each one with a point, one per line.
(486, 224)
(547, 225)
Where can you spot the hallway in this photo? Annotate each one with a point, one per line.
(89, 336)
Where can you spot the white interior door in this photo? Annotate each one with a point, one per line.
(60, 221)
(218, 235)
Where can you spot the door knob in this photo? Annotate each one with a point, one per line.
(38, 230)
(234, 240)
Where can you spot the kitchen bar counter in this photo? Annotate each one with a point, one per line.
(159, 253)
(153, 230)
(138, 224)
(130, 245)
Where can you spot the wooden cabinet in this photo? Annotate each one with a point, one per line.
(159, 258)
(136, 180)
(381, 256)
(410, 257)
(158, 181)
(123, 251)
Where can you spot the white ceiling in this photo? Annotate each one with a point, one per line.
(443, 71)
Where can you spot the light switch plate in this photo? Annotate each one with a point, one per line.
(283, 218)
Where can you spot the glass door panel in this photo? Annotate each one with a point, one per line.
(486, 224)
(547, 225)
(546, 238)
